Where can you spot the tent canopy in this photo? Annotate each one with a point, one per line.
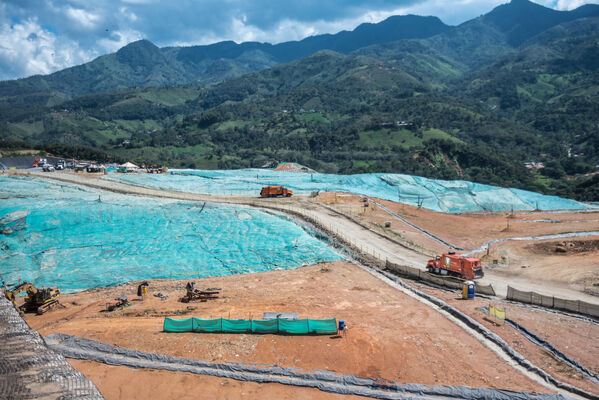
(128, 165)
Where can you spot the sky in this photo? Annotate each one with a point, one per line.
(43, 36)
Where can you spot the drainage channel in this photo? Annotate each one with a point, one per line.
(555, 352)
(405, 221)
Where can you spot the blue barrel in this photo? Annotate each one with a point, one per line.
(341, 325)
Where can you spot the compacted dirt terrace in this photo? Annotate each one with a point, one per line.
(469, 230)
(569, 263)
(577, 338)
(391, 335)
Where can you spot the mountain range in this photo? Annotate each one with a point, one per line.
(409, 94)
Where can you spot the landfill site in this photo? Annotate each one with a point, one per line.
(294, 285)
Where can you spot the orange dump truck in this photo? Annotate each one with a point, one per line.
(453, 264)
(275, 191)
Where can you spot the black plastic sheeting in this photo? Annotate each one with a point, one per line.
(514, 355)
(556, 353)
(427, 233)
(86, 349)
(29, 370)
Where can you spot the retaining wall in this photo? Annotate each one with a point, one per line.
(577, 306)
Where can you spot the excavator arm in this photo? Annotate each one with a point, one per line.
(11, 295)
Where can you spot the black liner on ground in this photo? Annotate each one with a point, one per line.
(473, 324)
(86, 349)
(551, 349)
(427, 233)
(29, 370)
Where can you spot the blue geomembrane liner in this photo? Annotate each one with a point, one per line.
(56, 234)
(432, 194)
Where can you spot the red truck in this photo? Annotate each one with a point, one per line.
(275, 191)
(453, 264)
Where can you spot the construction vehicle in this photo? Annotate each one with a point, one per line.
(120, 303)
(37, 300)
(275, 191)
(48, 168)
(156, 169)
(455, 265)
(202, 295)
(38, 162)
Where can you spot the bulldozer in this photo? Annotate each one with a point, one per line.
(37, 300)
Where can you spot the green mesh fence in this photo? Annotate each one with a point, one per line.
(279, 325)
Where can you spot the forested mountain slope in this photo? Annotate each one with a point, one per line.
(477, 101)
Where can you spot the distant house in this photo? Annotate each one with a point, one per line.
(80, 167)
(94, 168)
(534, 165)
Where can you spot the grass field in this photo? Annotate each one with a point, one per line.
(405, 138)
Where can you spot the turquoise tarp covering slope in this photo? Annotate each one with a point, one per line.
(77, 238)
(433, 194)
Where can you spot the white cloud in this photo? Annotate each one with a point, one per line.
(286, 29)
(41, 36)
(138, 1)
(28, 49)
(454, 12)
(128, 14)
(119, 39)
(571, 4)
(84, 18)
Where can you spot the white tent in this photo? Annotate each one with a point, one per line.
(129, 165)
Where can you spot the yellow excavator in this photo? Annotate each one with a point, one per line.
(37, 300)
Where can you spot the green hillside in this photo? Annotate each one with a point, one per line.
(142, 64)
(552, 86)
(519, 84)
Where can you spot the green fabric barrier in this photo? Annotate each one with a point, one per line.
(265, 326)
(207, 325)
(294, 326)
(323, 326)
(237, 325)
(178, 325)
(224, 325)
